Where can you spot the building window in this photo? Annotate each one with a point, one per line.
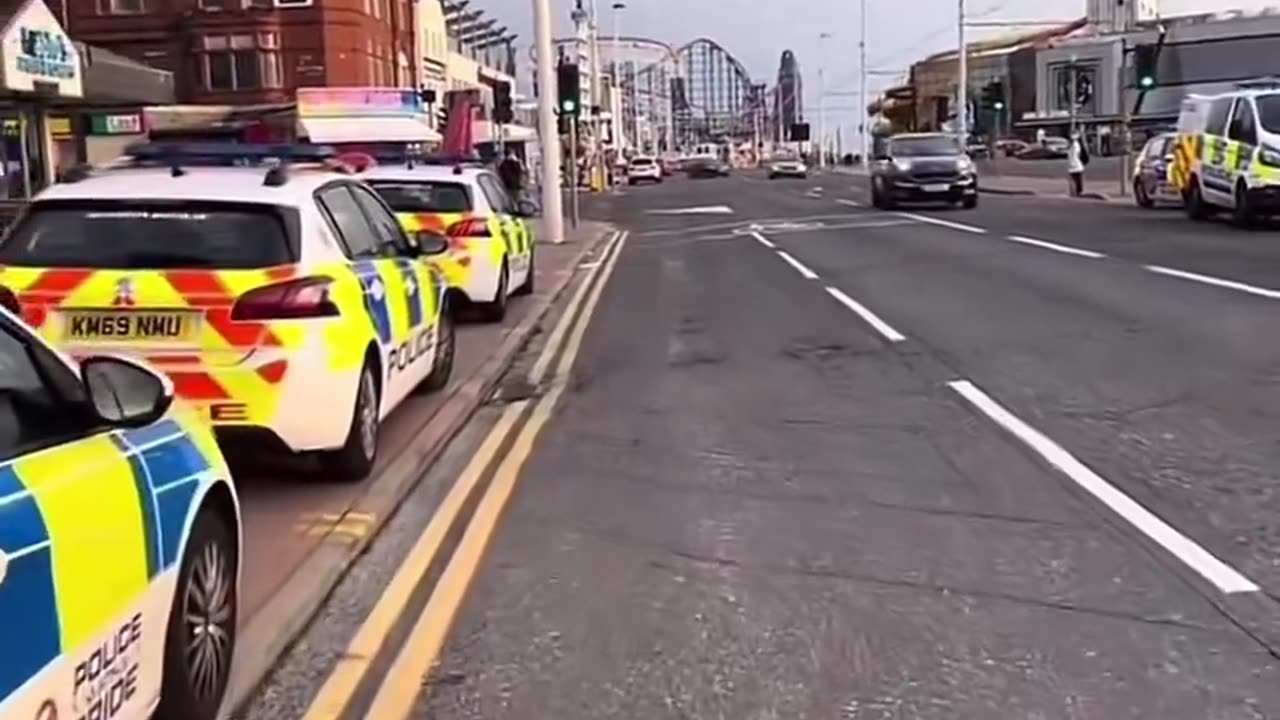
(293, 3)
(241, 62)
(121, 7)
(214, 5)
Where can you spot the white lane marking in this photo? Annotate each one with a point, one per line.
(1216, 282)
(944, 223)
(872, 319)
(850, 203)
(763, 240)
(1055, 247)
(806, 272)
(1226, 578)
(703, 210)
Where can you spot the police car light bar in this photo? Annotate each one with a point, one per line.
(228, 153)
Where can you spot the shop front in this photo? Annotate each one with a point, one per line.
(39, 66)
(364, 118)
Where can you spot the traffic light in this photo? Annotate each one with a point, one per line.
(799, 132)
(1144, 65)
(565, 123)
(503, 112)
(570, 92)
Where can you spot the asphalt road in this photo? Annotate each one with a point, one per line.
(797, 474)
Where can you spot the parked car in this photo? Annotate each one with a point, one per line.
(1151, 172)
(1054, 148)
(1011, 147)
(643, 168)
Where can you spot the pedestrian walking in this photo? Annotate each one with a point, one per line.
(1077, 159)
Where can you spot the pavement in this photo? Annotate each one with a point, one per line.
(810, 459)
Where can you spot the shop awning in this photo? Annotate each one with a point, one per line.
(367, 129)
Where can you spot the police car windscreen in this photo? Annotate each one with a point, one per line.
(1269, 113)
(424, 196)
(178, 234)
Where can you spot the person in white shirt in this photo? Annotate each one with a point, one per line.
(1077, 158)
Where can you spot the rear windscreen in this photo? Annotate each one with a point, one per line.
(157, 234)
(424, 196)
(641, 161)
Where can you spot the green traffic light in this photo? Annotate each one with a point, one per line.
(568, 106)
(999, 106)
(1146, 81)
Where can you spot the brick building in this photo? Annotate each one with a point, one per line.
(254, 51)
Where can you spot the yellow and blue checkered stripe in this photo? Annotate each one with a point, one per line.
(80, 554)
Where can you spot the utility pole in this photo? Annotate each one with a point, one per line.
(548, 132)
(862, 82)
(822, 100)
(597, 129)
(962, 88)
(615, 82)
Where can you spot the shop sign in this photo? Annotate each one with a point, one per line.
(130, 124)
(357, 102)
(59, 127)
(37, 53)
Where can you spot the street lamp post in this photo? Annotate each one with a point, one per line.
(615, 94)
(822, 100)
(548, 132)
(962, 87)
(862, 81)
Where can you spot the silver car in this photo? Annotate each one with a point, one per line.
(923, 167)
(1151, 172)
(788, 167)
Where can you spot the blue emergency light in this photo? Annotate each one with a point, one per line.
(228, 153)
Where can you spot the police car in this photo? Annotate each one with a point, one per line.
(1227, 156)
(490, 253)
(276, 290)
(119, 542)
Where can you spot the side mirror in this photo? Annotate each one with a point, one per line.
(124, 392)
(430, 243)
(526, 208)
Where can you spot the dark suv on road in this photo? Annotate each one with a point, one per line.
(923, 167)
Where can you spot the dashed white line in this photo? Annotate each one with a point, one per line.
(800, 268)
(1216, 282)
(850, 203)
(763, 240)
(1056, 247)
(871, 318)
(944, 223)
(1227, 579)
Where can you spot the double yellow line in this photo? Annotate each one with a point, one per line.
(403, 681)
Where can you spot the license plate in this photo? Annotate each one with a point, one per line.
(943, 187)
(135, 326)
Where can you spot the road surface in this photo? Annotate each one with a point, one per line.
(806, 459)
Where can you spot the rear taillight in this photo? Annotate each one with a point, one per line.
(471, 227)
(307, 297)
(9, 299)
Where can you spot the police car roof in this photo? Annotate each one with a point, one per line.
(227, 184)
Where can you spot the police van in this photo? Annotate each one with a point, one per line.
(1227, 155)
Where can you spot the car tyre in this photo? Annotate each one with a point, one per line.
(969, 203)
(446, 345)
(1193, 202)
(1140, 194)
(354, 460)
(496, 311)
(201, 636)
(1243, 214)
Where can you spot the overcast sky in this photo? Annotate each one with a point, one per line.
(757, 31)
